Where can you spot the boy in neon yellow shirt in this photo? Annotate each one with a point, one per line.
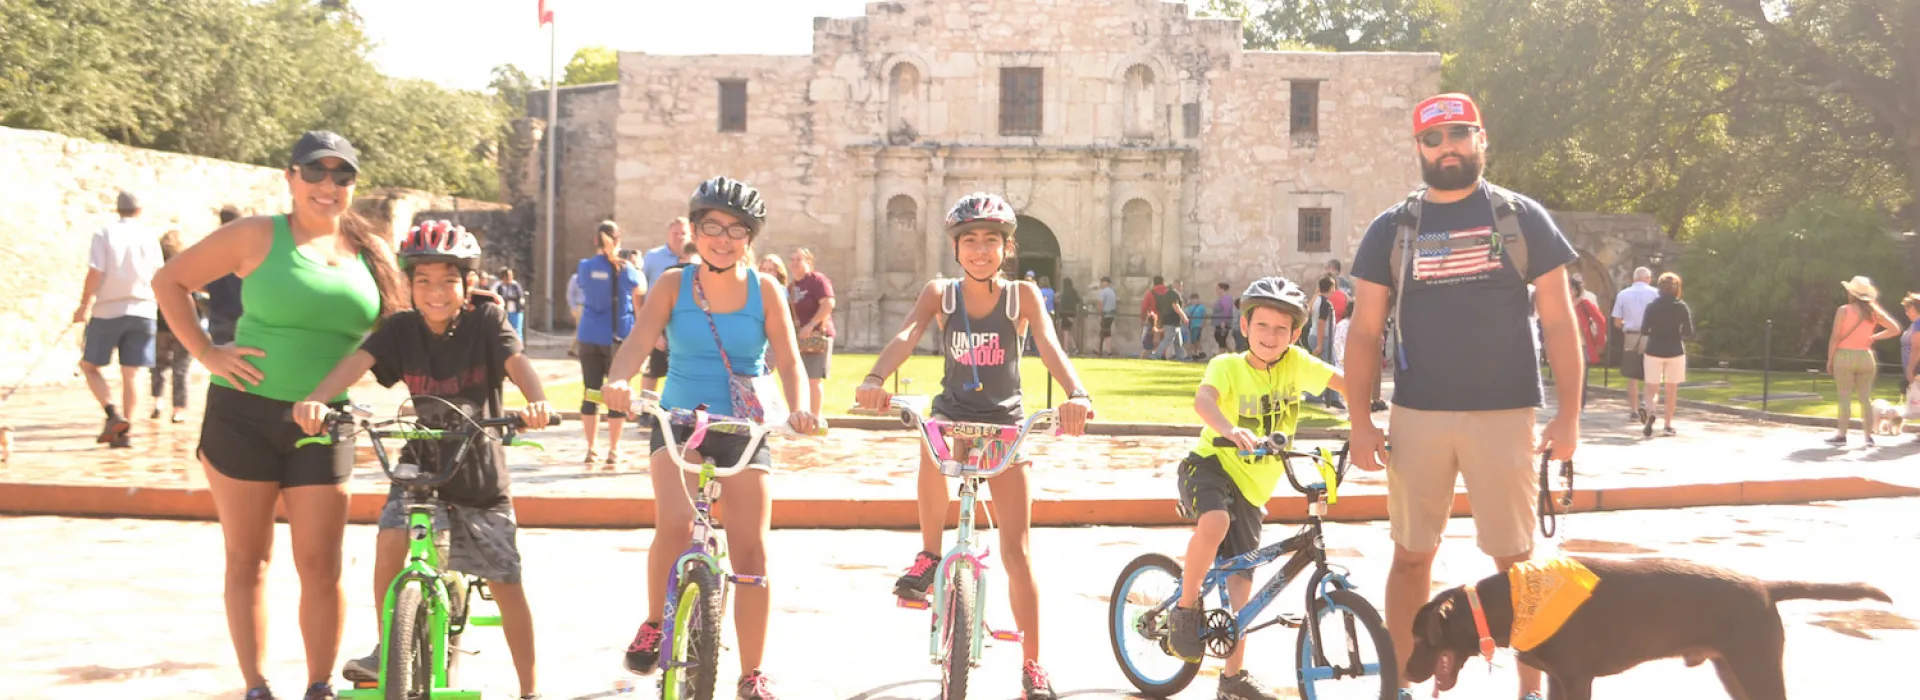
(1244, 397)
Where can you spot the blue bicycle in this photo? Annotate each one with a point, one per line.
(1343, 649)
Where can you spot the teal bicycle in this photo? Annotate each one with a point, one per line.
(427, 607)
(1343, 650)
(959, 630)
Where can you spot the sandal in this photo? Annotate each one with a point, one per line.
(592, 457)
(1837, 440)
(613, 458)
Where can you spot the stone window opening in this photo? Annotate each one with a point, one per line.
(1304, 121)
(1190, 119)
(1315, 230)
(733, 106)
(1021, 93)
(1138, 102)
(904, 244)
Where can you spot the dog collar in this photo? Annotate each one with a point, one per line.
(1480, 625)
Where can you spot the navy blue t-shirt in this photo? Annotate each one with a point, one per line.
(1465, 318)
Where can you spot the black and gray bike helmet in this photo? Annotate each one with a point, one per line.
(731, 196)
(982, 209)
(1276, 293)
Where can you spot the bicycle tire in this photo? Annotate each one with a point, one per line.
(1119, 626)
(409, 672)
(1363, 613)
(691, 670)
(962, 617)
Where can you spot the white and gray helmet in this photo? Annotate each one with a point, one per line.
(1276, 292)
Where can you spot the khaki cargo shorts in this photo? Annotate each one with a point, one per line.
(1491, 450)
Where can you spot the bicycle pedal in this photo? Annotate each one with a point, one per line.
(747, 580)
(914, 604)
(1015, 636)
(484, 621)
(366, 685)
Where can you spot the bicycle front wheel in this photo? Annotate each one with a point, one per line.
(409, 664)
(1351, 657)
(961, 619)
(695, 662)
(1137, 626)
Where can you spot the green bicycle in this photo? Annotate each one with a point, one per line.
(427, 608)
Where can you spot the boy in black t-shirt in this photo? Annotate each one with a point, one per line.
(460, 352)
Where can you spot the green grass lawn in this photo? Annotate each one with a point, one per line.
(1742, 389)
(1124, 390)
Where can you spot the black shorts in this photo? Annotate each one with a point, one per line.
(1106, 327)
(250, 438)
(656, 365)
(1205, 487)
(1220, 334)
(724, 448)
(595, 360)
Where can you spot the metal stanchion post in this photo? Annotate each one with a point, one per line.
(1766, 367)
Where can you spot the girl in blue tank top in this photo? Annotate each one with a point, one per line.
(720, 318)
(981, 320)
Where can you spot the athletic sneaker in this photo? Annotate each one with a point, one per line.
(753, 686)
(115, 428)
(1033, 682)
(1184, 628)
(1242, 686)
(643, 655)
(919, 577)
(320, 691)
(365, 669)
(260, 693)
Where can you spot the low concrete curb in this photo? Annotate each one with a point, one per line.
(598, 512)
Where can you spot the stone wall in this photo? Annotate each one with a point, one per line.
(56, 192)
(585, 187)
(1611, 245)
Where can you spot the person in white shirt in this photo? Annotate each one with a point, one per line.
(1629, 309)
(117, 305)
(1109, 306)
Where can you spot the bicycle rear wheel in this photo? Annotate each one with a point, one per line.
(961, 620)
(1139, 634)
(1352, 658)
(691, 670)
(409, 666)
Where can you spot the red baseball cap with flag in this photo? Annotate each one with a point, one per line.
(1447, 108)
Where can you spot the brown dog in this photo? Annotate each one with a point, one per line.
(1641, 610)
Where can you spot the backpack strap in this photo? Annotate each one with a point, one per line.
(1506, 224)
(950, 299)
(1406, 231)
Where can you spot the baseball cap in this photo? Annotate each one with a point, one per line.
(315, 145)
(128, 201)
(1446, 108)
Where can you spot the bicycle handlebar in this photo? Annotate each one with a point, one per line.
(933, 432)
(1332, 465)
(341, 428)
(648, 403)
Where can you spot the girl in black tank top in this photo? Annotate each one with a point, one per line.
(980, 319)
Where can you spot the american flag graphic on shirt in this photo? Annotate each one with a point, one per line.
(1455, 256)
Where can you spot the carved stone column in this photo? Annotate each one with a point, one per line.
(862, 330)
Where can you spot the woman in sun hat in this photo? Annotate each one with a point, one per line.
(1857, 325)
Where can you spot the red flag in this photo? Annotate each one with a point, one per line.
(546, 14)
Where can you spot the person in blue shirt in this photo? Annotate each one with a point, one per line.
(611, 287)
(654, 263)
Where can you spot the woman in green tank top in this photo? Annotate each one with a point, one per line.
(314, 281)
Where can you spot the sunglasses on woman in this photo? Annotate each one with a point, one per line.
(314, 173)
(1432, 138)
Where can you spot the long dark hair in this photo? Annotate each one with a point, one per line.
(395, 294)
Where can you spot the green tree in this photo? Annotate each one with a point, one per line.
(592, 64)
(1339, 25)
(1788, 269)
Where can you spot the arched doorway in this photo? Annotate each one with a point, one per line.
(1038, 251)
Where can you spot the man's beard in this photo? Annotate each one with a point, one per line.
(1454, 176)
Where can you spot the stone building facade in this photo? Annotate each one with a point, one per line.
(1134, 139)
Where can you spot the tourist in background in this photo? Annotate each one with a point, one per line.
(1857, 325)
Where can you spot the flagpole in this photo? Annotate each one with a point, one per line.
(553, 118)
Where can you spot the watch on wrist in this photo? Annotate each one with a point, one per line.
(1081, 394)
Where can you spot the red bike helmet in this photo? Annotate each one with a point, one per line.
(440, 241)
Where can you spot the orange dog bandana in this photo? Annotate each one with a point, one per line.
(1546, 593)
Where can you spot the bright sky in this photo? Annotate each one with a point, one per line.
(457, 42)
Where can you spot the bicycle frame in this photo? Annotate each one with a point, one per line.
(1005, 438)
(1308, 547)
(423, 556)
